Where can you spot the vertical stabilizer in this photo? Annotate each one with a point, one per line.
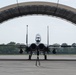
(47, 35)
(27, 35)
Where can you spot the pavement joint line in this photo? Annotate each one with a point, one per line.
(36, 59)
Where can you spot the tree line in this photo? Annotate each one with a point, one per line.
(12, 48)
(65, 48)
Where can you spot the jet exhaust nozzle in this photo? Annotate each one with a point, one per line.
(33, 46)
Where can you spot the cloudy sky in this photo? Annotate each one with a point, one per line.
(60, 30)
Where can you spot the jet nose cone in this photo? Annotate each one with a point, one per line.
(38, 38)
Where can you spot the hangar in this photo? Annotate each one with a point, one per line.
(44, 8)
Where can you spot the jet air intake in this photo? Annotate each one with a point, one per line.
(41, 46)
(33, 46)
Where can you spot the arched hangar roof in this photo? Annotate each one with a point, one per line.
(44, 8)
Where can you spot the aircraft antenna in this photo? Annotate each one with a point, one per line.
(26, 35)
(47, 35)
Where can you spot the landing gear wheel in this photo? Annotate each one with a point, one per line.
(29, 57)
(45, 57)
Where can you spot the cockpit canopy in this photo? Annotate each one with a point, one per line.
(38, 38)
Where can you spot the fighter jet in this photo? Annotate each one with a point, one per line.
(36, 47)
